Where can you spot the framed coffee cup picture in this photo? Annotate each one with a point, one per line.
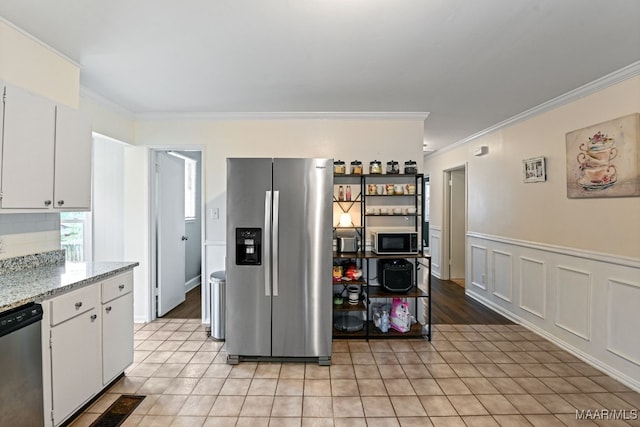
(603, 160)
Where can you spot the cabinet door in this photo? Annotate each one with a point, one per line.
(27, 158)
(117, 336)
(75, 363)
(72, 180)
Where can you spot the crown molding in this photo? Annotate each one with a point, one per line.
(421, 116)
(611, 79)
(105, 102)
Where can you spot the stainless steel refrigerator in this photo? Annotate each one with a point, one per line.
(279, 257)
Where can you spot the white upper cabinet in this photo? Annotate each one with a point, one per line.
(27, 151)
(72, 180)
(46, 154)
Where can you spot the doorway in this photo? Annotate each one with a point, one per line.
(177, 232)
(455, 224)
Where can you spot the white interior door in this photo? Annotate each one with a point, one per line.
(170, 232)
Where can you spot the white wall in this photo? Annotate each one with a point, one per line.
(108, 199)
(567, 268)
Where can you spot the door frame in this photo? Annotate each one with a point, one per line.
(445, 260)
(153, 222)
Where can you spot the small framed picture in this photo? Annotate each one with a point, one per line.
(534, 170)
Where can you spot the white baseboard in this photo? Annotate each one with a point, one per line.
(140, 319)
(192, 283)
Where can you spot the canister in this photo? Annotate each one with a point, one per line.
(393, 167)
(356, 167)
(410, 167)
(339, 167)
(375, 167)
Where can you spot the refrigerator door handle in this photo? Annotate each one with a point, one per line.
(275, 234)
(267, 243)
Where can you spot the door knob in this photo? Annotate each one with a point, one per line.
(47, 202)
(185, 238)
(60, 202)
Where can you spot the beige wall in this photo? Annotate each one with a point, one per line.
(500, 204)
(27, 63)
(348, 139)
(108, 121)
(566, 268)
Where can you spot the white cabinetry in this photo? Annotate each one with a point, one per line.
(27, 150)
(46, 154)
(75, 351)
(117, 326)
(88, 342)
(72, 176)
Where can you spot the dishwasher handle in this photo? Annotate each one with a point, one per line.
(19, 317)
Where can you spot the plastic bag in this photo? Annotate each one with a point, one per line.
(400, 316)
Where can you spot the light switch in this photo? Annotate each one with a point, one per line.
(215, 213)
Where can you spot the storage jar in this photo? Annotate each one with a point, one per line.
(410, 167)
(339, 167)
(375, 167)
(356, 167)
(393, 167)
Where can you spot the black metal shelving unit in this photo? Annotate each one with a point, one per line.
(363, 219)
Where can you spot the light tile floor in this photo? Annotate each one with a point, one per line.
(468, 375)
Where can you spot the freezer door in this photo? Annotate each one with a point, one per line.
(302, 292)
(248, 291)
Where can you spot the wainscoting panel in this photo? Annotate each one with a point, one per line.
(573, 301)
(435, 239)
(585, 302)
(502, 275)
(532, 286)
(479, 267)
(623, 320)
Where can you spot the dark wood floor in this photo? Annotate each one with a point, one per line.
(449, 306)
(190, 308)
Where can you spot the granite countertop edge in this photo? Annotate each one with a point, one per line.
(42, 283)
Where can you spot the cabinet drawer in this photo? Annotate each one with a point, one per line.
(72, 304)
(117, 286)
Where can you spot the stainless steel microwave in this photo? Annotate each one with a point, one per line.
(395, 243)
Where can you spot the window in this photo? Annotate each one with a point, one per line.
(75, 235)
(190, 186)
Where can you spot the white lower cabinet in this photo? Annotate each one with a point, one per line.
(117, 326)
(88, 337)
(75, 351)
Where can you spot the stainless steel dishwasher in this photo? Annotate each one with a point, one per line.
(21, 367)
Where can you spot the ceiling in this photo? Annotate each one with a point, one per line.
(469, 63)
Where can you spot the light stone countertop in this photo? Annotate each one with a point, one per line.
(44, 282)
